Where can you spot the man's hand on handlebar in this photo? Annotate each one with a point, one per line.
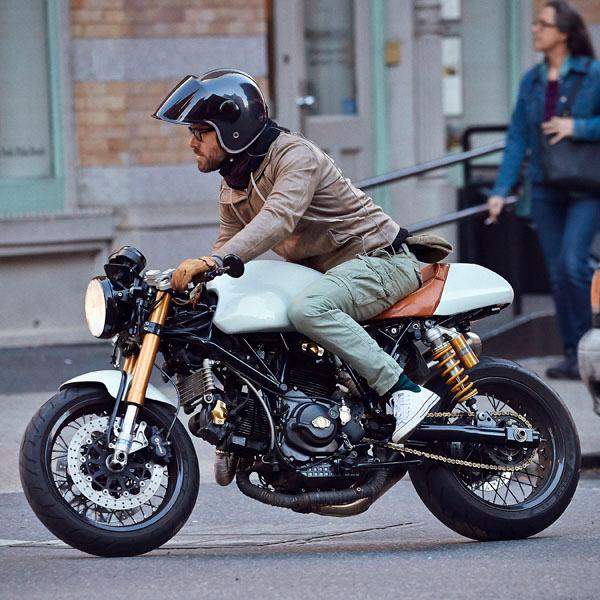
(190, 269)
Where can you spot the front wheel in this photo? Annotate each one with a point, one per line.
(504, 504)
(67, 482)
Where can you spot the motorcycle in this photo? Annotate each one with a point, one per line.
(108, 467)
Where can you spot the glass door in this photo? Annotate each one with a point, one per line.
(322, 74)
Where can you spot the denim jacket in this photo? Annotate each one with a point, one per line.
(524, 133)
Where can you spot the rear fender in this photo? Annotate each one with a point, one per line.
(111, 380)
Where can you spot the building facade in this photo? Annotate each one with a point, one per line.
(379, 84)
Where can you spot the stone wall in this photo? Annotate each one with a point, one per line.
(127, 55)
(174, 18)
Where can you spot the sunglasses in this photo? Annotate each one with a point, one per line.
(544, 24)
(197, 133)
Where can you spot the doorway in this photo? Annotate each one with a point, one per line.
(321, 77)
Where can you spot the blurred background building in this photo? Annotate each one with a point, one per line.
(379, 84)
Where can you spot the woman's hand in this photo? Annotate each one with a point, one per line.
(190, 268)
(495, 205)
(560, 127)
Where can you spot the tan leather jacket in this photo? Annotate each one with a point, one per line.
(301, 206)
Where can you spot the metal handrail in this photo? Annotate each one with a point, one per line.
(431, 165)
(454, 217)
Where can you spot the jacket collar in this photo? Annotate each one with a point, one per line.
(577, 64)
(263, 165)
(580, 64)
(257, 174)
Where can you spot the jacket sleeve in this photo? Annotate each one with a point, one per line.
(296, 175)
(589, 128)
(516, 146)
(229, 225)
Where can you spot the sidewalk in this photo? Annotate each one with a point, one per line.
(18, 408)
(579, 402)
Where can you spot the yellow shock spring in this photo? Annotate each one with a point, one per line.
(452, 372)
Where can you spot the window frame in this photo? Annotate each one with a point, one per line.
(42, 195)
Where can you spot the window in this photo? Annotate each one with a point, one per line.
(330, 64)
(30, 178)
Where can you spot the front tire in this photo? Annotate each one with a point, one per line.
(500, 505)
(68, 486)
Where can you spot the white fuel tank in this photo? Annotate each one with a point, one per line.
(258, 300)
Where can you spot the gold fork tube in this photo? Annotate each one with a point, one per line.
(129, 364)
(145, 360)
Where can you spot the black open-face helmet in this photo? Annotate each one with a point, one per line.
(228, 100)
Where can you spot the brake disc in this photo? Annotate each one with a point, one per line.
(132, 491)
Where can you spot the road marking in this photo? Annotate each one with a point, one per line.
(220, 540)
(31, 543)
(253, 540)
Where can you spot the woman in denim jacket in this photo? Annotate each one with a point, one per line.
(566, 221)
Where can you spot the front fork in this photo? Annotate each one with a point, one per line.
(140, 368)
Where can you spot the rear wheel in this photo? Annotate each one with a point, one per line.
(64, 472)
(504, 504)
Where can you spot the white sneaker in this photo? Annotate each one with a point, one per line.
(409, 409)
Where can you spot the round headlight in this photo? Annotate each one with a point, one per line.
(100, 308)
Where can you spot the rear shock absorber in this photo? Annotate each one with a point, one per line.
(452, 358)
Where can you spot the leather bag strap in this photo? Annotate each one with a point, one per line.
(569, 103)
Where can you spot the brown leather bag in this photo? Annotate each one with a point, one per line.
(428, 248)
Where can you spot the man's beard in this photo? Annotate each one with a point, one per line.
(211, 164)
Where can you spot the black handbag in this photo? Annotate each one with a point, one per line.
(571, 164)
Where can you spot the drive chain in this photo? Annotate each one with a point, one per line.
(467, 463)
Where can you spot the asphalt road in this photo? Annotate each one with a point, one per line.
(233, 547)
(27, 370)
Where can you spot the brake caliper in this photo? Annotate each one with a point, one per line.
(160, 446)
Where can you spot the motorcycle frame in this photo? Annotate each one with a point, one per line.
(157, 333)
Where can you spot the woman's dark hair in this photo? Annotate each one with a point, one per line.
(569, 21)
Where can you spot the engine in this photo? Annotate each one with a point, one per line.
(316, 428)
(316, 418)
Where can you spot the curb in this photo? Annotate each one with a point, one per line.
(590, 462)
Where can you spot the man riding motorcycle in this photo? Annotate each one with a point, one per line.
(281, 192)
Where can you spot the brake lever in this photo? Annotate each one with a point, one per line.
(215, 273)
(195, 286)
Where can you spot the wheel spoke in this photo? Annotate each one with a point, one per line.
(508, 489)
(83, 436)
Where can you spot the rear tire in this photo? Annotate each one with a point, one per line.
(481, 504)
(158, 497)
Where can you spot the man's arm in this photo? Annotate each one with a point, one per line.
(229, 225)
(296, 177)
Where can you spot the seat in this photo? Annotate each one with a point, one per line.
(425, 300)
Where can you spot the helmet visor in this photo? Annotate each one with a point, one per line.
(188, 103)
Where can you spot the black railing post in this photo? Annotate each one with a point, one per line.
(465, 141)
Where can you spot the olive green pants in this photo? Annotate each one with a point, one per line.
(327, 311)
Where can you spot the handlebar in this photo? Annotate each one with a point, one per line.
(161, 280)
